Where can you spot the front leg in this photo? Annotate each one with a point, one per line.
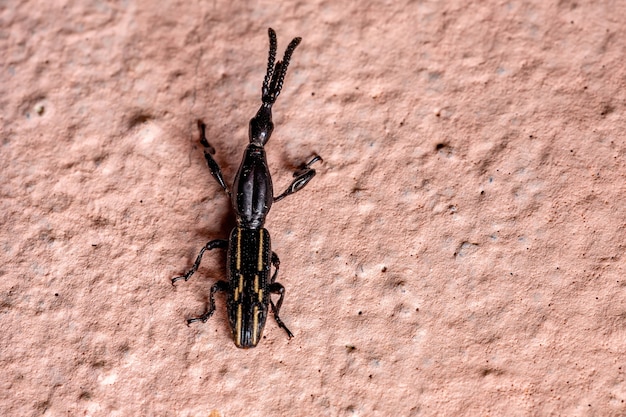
(208, 152)
(302, 178)
(217, 243)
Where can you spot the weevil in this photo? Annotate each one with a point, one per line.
(249, 252)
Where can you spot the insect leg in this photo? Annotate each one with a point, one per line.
(217, 243)
(208, 155)
(276, 288)
(218, 286)
(302, 178)
(276, 263)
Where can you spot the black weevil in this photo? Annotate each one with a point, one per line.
(250, 256)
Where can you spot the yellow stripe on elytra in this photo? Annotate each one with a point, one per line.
(238, 249)
(258, 291)
(239, 289)
(260, 263)
(255, 328)
(238, 326)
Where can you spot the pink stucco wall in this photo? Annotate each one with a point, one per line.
(460, 253)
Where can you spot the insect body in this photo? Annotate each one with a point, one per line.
(250, 255)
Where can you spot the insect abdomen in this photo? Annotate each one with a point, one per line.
(249, 267)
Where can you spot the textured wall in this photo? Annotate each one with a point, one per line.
(460, 253)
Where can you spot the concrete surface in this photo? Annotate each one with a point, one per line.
(460, 253)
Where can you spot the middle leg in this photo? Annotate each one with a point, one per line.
(217, 243)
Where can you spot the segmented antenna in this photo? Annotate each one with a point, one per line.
(270, 61)
(273, 82)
